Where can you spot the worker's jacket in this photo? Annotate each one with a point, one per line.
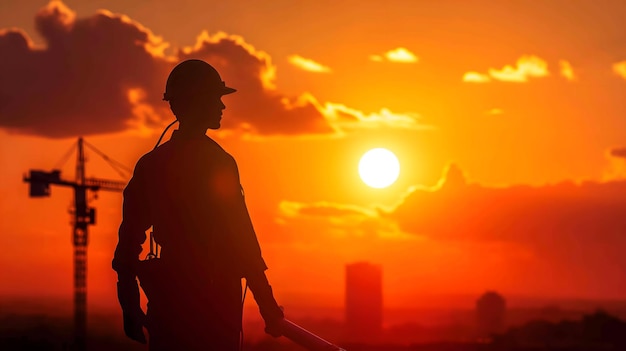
(188, 189)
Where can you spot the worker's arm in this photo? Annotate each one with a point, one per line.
(263, 295)
(135, 222)
(132, 234)
(249, 253)
(242, 237)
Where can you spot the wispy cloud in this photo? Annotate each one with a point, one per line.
(401, 54)
(346, 118)
(567, 70)
(619, 68)
(528, 66)
(308, 64)
(525, 68)
(323, 208)
(475, 77)
(341, 220)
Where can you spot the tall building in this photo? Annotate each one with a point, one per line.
(490, 311)
(364, 301)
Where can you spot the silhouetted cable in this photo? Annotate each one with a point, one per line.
(243, 299)
(113, 163)
(163, 134)
(59, 165)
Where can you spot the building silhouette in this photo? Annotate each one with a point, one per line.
(490, 312)
(364, 301)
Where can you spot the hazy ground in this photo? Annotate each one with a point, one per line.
(47, 325)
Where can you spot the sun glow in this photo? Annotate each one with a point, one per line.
(379, 168)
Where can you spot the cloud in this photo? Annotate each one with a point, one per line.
(565, 222)
(475, 77)
(619, 152)
(308, 64)
(573, 234)
(340, 220)
(327, 209)
(106, 73)
(346, 118)
(80, 82)
(619, 68)
(616, 168)
(567, 71)
(526, 67)
(400, 54)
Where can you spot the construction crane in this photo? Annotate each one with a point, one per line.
(83, 216)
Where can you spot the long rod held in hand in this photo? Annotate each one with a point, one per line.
(305, 338)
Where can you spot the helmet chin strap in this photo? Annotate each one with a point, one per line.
(162, 134)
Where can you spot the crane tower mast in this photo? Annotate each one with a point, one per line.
(83, 216)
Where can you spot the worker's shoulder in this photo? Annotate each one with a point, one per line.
(154, 153)
(215, 148)
(204, 149)
(154, 156)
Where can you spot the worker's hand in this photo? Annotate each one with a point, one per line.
(134, 318)
(133, 326)
(273, 318)
(274, 329)
(270, 311)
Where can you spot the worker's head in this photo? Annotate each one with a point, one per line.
(194, 90)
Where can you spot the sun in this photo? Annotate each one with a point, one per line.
(379, 168)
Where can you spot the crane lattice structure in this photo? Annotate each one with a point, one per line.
(83, 216)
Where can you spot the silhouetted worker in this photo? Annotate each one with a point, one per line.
(188, 190)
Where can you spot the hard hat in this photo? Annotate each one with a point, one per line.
(192, 77)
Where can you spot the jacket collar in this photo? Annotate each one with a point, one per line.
(178, 135)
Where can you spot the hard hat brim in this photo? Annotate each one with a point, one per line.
(228, 90)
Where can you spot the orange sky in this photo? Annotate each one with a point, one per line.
(508, 121)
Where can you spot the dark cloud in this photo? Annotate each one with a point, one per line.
(465, 211)
(79, 83)
(619, 152)
(567, 224)
(102, 73)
